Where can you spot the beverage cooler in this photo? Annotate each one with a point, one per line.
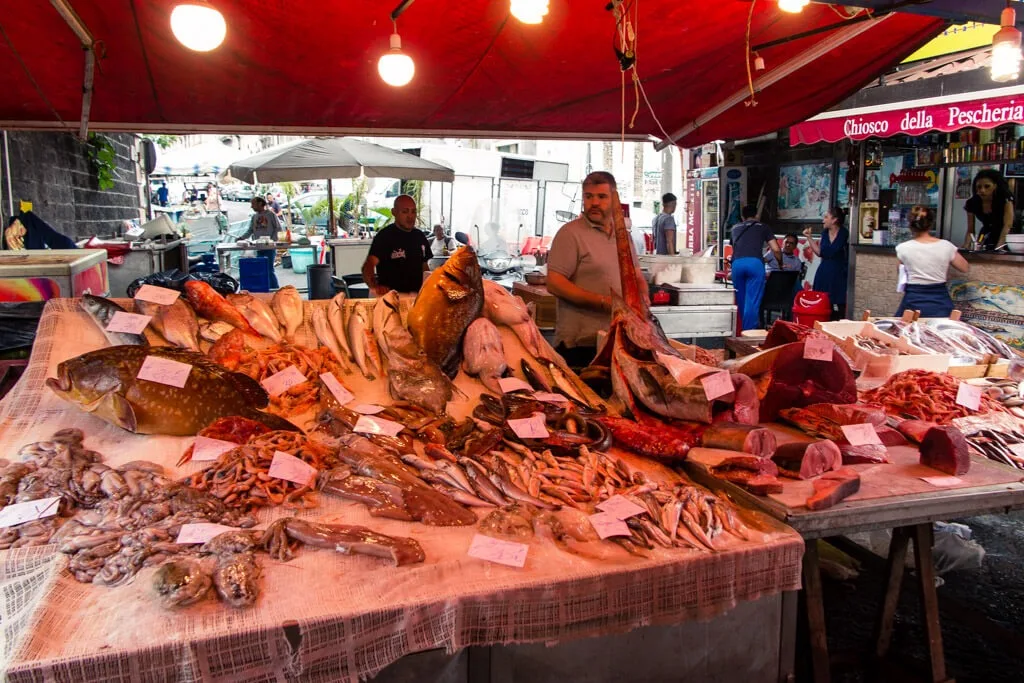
(715, 197)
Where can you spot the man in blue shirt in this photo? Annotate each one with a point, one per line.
(664, 227)
(790, 258)
(162, 194)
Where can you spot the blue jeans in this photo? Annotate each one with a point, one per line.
(270, 255)
(748, 277)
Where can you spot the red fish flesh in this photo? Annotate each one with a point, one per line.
(945, 449)
(661, 441)
(740, 437)
(833, 487)
(806, 460)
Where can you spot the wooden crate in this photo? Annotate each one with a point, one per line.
(545, 309)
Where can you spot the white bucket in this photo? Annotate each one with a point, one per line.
(699, 270)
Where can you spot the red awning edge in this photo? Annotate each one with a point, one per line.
(946, 117)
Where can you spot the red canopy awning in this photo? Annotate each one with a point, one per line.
(308, 66)
(945, 114)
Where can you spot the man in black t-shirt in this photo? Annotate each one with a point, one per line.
(399, 253)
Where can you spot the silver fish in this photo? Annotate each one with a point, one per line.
(287, 306)
(339, 325)
(102, 311)
(258, 314)
(363, 345)
(483, 354)
(323, 332)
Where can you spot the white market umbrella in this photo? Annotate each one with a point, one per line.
(336, 158)
(203, 159)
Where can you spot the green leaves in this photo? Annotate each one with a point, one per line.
(102, 156)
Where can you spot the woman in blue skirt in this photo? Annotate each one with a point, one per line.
(927, 260)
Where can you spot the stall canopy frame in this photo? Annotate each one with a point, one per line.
(480, 72)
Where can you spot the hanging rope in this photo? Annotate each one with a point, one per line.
(752, 102)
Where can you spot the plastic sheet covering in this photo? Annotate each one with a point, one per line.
(353, 615)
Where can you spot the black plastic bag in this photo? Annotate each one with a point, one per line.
(175, 279)
(18, 323)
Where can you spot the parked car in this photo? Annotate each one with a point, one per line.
(244, 193)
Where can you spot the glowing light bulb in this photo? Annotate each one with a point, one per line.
(529, 11)
(1006, 54)
(793, 6)
(198, 26)
(395, 67)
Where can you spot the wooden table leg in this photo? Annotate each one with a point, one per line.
(894, 571)
(923, 539)
(815, 613)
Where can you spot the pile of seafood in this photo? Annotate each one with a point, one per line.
(924, 395)
(875, 345)
(965, 343)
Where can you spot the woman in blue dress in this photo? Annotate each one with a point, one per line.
(833, 248)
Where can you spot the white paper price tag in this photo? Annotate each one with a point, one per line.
(367, 408)
(969, 396)
(343, 395)
(157, 295)
(369, 424)
(861, 435)
(943, 482)
(288, 467)
(280, 382)
(607, 525)
(206, 448)
(134, 232)
(164, 371)
(717, 385)
(533, 427)
(818, 349)
(550, 398)
(510, 384)
(19, 513)
(509, 553)
(201, 532)
(128, 323)
(620, 507)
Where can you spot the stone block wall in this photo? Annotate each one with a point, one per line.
(53, 171)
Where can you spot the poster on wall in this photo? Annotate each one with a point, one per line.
(735, 194)
(871, 185)
(868, 221)
(804, 191)
(842, 188)
(892, 166)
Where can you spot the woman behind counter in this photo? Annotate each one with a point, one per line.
(926, 260)
(991, 204)
(834, 267)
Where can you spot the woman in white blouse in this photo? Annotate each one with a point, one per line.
(927, 260)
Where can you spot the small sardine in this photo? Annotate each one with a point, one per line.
(363, 345)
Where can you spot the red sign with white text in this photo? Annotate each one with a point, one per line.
(988, 113)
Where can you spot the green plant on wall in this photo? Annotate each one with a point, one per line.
(102, 156)
(162, 141)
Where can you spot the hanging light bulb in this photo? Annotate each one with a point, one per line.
(529, 11)
(758, 62)
(793, 6)
(198, 26)
(1006, 48)
(395, 67)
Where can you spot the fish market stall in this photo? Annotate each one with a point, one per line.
(467, 529)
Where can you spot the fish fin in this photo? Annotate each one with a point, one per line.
(269, 419)
(249, 388)
(452, 288)
(115, 409)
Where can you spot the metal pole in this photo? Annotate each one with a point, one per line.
(332, 226)
(7, 172)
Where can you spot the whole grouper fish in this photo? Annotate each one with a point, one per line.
(104, 383)
(450, 299)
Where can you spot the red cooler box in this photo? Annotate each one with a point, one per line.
(810, 306)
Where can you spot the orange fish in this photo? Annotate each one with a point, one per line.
(212, 306)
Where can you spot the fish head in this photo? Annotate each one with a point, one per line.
(461, 276)
(93, 382)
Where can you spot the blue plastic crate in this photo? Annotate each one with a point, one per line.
(254, 274)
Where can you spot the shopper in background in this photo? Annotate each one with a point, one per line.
(264, 224)
(664, 227)
(992, 204)
(790, 258)
(212, 199)
(748, 239)
(442, 244)
(833, 249)
(163, 194)
(273, 206)
(927, 260)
